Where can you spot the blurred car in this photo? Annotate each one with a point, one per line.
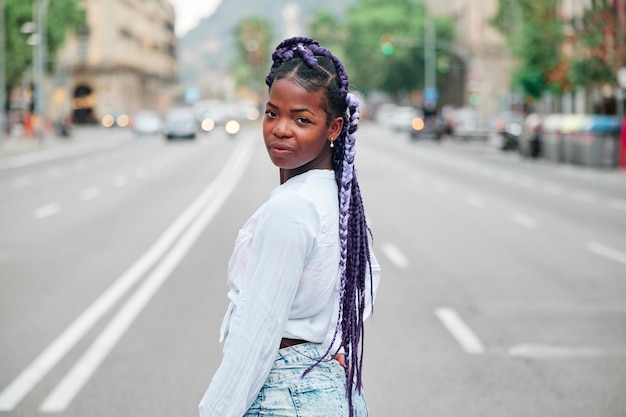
(401, 118)
(507, 127)
(116, 119)
(146, 122)
(384, 114)
(180, 123)
(529, 142)
(466, 124)
(429, 126)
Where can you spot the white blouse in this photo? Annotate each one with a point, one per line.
(283, 278)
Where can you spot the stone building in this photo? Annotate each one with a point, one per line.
(483, 50)
(123, 61)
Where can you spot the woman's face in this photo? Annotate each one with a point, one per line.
(296, 129)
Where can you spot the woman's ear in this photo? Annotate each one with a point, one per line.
(334, 130)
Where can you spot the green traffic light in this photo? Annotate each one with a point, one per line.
(387, 48)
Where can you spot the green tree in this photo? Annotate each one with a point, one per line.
(329, 32)
(535, 36)
(402, 71)
(63, 16)
(253, 43)
(598, 52)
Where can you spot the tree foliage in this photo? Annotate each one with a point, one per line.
(402, 71)
(598, 52)
(329, 32)
(63, 16)
(535, 36)
(253, 42)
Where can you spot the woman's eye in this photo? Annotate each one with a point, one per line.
(303, 120)
(270, 113)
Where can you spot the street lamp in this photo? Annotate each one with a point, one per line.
(40, 12)
(3, 88)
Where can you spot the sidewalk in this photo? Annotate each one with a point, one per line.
(82, 135)
(20, 151)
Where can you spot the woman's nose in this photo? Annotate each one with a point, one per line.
(281, 129)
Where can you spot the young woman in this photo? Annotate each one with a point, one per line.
(302, 277)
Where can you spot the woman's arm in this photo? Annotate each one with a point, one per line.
(283, 238)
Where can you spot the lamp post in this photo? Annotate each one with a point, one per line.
(430, 73)
(40, 12)
(3, 89)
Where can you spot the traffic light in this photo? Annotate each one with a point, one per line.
(386, 44)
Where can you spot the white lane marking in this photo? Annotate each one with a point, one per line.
(475, 201)
(523, 219)
(39, 368)
(441, 187)
(72, 383)
(584, 195)
(526, 182)
(416, 177)
(22, 181)
(505, 177)
(554, 352)
(53, 173)
(552, 188)
(156, 164)
(90, 193)
(395, 255)
(46, 211)
(80, 165)
(607, 252)
(120, 181)
(468, 340)
(140, 172)
(48, 155)
(618, 204)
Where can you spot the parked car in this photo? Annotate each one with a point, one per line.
(402, 117)
(431, 126)
(180, 123)
(466, 123)
(146, 122)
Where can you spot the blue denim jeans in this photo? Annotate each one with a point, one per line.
(321, 393)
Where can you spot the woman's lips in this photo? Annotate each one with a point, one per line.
(280, 150)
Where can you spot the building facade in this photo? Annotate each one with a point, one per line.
(487, 60)
(123, 61)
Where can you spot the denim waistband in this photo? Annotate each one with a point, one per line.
(303, 354)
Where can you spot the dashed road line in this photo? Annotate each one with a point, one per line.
(395, 255)
(618, 204)
(607, 252)
(475, 201)
(463, 334)
(46, 211)
(523, 219)
(21, 182)
(90, 193)
(554, 352)
(120, 181)
(203, 208)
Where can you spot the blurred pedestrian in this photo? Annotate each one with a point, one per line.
(302, 277)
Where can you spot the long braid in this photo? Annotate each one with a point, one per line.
(354, 234)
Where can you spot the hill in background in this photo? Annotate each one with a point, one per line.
(206, 53)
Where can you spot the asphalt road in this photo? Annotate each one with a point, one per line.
(503, 290)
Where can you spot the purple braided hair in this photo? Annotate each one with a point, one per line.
(323, 70)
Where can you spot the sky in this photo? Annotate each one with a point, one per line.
(189, 13)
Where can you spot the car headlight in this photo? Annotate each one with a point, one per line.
(108, 120)
(417, 123)
(232, 127)
(208, 125)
